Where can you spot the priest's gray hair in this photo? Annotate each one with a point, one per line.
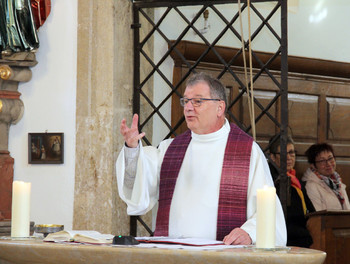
(217, 89)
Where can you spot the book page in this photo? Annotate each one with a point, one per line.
(59, 236)
(84, 236)
(96, 238)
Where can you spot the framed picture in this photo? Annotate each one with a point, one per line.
(45, 148)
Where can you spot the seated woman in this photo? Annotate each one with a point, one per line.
(323, 183)
(300, 204)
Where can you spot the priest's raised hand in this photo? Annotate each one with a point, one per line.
(131, 135)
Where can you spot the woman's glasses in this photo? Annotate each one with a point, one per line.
(291, 153)
(324, 161)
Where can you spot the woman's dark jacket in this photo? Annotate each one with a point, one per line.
(297, 232)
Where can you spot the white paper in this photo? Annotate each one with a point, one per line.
(183, 243)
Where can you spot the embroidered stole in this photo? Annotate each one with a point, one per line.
(232, 206)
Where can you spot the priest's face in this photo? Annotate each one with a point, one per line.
(203, 116)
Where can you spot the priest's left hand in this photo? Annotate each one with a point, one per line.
(238, 237)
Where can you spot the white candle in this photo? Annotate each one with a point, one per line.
(20, 215)
(266, 217)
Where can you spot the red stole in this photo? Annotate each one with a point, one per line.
(232, 207)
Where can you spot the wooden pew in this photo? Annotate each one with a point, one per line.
(330, 231)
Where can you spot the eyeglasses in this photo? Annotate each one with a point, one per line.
(324, 162)
(291, 153)
(195, 101)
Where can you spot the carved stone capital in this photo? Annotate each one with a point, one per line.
(5, 72)
(11, 112)
(11, 107)
(13, 73)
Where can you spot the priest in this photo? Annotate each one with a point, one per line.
(202, 183)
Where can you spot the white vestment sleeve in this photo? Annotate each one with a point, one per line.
(141, 193)
(259, 175)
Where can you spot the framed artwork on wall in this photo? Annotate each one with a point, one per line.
(45, 148)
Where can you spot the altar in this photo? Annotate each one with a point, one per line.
(37, 251)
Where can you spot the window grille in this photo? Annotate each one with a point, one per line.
(151, 76)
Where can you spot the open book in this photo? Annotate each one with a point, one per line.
(82, 236)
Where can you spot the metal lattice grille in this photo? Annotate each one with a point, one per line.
(155, 88)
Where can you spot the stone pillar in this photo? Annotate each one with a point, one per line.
(13, 69)
(104, 97)
(104, 92)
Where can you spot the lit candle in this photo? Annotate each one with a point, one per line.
(266, 217)
(20, 219)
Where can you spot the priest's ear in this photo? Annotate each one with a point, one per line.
(221, 108)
